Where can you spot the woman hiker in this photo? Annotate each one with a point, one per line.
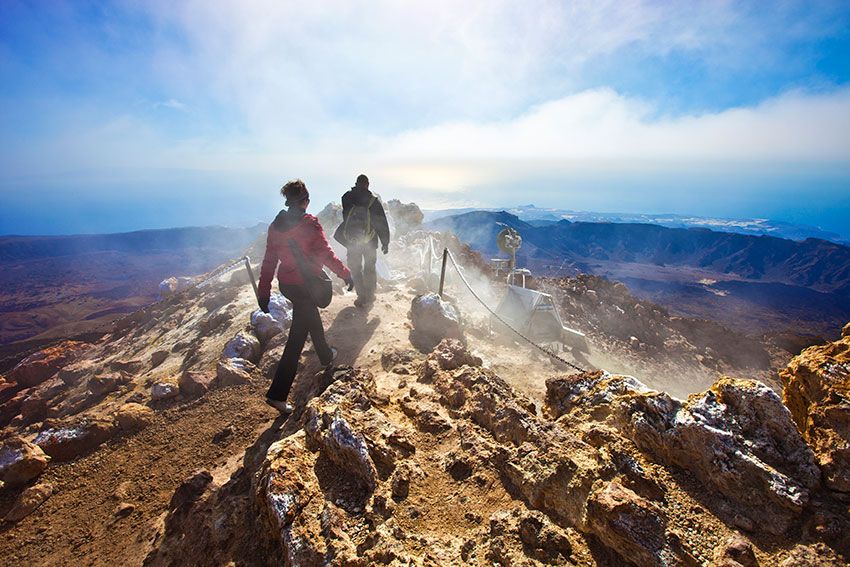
(297, 248)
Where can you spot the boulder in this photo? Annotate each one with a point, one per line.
(21, 461)
(817, 391)
(451, 354)
(277, 320)
(66, 443)
(588, 395)
(40, 366)
(164, 391)
(243, 345)
(193, 383)
(433, 320)
(158, 357)
(233, 371)
(28, 501)
(132, 416)
(101, 384)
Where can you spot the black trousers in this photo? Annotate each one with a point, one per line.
(361, 261)
(305, 320)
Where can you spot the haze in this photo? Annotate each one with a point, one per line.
(124, 115)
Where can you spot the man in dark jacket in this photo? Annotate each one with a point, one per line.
(364, 224)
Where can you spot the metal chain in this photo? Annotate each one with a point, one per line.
(506, 324)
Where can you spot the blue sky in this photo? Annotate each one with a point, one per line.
(124, 115)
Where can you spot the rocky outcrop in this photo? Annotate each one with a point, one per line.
(21, 461)
(38, 367)
(736, 437)
(404, 216)
(351, 458)
(817, 391)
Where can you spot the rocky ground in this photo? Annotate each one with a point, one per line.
(154, 445)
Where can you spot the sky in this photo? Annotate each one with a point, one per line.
(125, 115)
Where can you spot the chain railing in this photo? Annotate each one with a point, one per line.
(548, 352)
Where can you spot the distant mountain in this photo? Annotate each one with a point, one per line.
(68, 285)
(538, 216)
(16, 248)
(812, 263)
(695, 271)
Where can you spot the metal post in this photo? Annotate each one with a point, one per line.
(443, 270)
(251, 275)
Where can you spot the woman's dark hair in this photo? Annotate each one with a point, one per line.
(294, 192)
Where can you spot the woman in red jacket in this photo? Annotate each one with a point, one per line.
(295, 225)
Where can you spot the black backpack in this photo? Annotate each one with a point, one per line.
(356, 227)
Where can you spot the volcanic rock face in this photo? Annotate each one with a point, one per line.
(40, 366)
(817, 391)
(457, 468)
(352, 461)
(404, 216)
(736, 437)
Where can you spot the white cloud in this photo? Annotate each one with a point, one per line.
(600, 125)
(439, 95)
(290, 69)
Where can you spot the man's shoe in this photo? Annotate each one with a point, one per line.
(283, 407)
(334, 355)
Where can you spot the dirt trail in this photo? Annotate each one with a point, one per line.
(78, 525)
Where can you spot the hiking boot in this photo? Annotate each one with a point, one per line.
(283, 407)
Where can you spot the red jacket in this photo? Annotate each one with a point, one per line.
(307, 233)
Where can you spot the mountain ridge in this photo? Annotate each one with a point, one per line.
(819, 264)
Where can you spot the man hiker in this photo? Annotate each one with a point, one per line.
(364, 223)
